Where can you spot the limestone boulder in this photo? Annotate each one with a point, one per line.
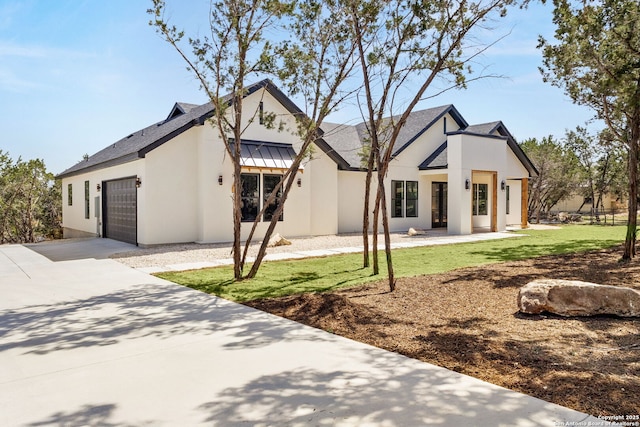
(416, 232)
(575, 298)
(278, 240)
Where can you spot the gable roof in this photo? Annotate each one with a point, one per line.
(182, 117)
(348, 140)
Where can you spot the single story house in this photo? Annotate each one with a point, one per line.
(171, 182)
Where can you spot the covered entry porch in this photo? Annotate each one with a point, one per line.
(480, 201)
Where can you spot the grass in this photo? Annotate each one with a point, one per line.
(280, 278)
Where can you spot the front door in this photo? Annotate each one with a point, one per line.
(438, 204)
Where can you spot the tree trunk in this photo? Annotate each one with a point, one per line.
(376, 221)
(630, 240)
(387, 237)
(365, 213)
(237, 220)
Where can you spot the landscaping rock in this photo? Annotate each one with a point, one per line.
(575, 298)
(416, 232)
(278, 240)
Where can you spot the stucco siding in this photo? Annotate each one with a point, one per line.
(74, 221)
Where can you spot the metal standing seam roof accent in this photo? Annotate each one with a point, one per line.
(266, 155)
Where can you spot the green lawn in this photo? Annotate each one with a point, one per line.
(279, 278)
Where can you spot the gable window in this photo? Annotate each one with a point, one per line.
(404, 199)
(86, 199)
(250, 196)
(480, 197)
(270, 185)
(70, 194)
(261, 112)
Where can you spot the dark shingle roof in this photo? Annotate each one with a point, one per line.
(437, 159)
(348, 140)
(182, 117)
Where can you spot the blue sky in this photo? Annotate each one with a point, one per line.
(77, 75)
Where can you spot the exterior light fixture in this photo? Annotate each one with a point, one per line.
(299, 182)
(98, 187)
(503, 185)
(219, 179)
(467, 184)
(138, 182)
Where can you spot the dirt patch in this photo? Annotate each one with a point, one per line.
(467, 321)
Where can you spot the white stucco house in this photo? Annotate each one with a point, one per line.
(171, 182)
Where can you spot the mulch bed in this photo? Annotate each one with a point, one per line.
(467, 321)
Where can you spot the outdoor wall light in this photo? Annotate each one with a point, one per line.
(467, 184)
(219, 179)
(98, 187)
(138, 182)
(503, 185)
(299, 182)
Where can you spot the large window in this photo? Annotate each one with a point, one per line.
(86, 199)
(251, 200)
(270, 185)
(250, 204)
(402, 206)
(70, 194)
(480, 198)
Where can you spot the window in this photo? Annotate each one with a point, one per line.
(412, 199)
(508, 200)
(70, 194)
(250, 204)
(261, 112)
(480, 197)
(270, 185)
(251, 200)
(402, 206)
(86, 199)
(397, 199)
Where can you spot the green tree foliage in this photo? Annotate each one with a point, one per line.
(558, 175)
(30, 201)
(601, 165)
(596, 59)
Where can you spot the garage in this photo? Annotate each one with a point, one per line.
(120, 210)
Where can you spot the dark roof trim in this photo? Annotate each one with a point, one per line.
(107, 164)
(517, 150)
(449, 110)
(426, 165)
(481, 135)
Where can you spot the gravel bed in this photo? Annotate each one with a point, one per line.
(163, 255)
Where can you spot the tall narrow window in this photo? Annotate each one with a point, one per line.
(250, 197)
(412, 199)
(508, 199)
(70, 194)
(86, 199)
(397, 199)
(261, 112)
(270, 184)
(480, 197)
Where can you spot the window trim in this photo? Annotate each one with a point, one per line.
(507, 189)
(412, 199)
(395, 199)
(261, 197)
(69, 194)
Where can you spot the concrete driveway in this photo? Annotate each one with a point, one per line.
(94, 343)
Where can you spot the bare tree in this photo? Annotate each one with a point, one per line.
(404, 47)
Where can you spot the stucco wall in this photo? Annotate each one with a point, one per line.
(73, 217)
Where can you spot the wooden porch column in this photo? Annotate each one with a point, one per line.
(524, 203)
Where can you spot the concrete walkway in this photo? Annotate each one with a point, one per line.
(95, 343)
(442, 239)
